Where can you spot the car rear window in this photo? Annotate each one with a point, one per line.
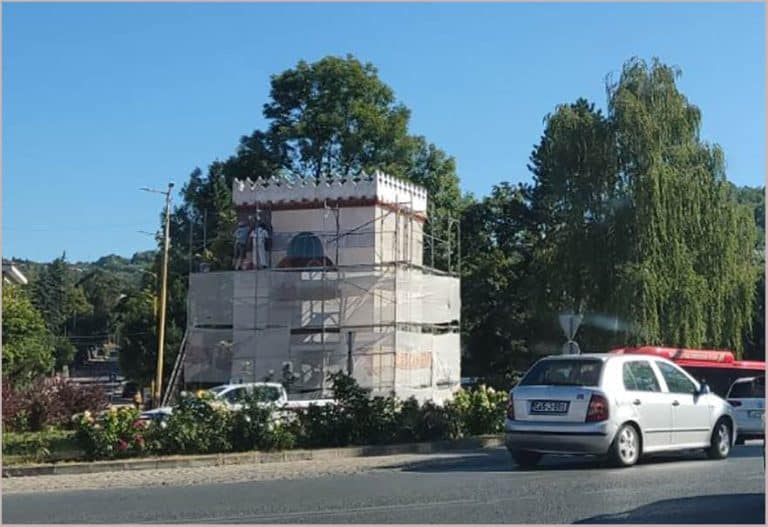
(564, 372)
(747, 389)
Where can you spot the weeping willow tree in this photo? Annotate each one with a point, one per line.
(637, 211)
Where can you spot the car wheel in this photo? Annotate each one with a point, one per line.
(525, 459)
(720, 443)
(625, 449)
(739, 440)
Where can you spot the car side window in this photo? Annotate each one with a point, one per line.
(235, 395)
(676, 380)
(640, 377)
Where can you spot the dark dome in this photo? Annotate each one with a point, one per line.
(306, 245)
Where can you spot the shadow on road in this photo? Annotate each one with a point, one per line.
(498, 460)
(718, 508)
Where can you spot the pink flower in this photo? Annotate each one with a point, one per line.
(122, 445)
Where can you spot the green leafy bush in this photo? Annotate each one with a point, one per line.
(259, 427)
(479, 411)
(199, 425)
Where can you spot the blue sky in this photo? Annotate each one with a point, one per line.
(101, 99)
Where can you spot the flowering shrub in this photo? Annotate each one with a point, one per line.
(117, 432)
(201, 424)
(479, 411)
(48, 402)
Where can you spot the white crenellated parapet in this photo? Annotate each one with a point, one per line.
(378, 186)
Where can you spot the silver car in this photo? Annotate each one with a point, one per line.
(747, 397)
(622, 406)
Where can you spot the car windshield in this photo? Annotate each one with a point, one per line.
(564, 372)
(267, 394)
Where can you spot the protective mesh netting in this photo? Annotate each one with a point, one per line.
(395, 325)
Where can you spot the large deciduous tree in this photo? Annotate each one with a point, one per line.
(496, 316)
(28, 345)
(335, 117)
(638, 221)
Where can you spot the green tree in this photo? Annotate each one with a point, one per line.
(138, 338)
(689, 277)
(335, 117)
(27, 343)
(576, 205)
(754, 199)
(638, 222)
(61, 303)
(497, 236)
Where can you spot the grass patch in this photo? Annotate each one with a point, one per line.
(40, 447)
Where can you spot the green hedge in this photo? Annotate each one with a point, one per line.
(202, 425)
(40, 447)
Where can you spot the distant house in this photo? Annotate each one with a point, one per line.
(12, 274)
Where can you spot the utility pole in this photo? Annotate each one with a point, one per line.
(158, 384)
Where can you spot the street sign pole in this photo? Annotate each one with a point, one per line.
(570, 323)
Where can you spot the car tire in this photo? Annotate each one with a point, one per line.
(626, 447)
(740, 440)
(720, 442)
(525, 459)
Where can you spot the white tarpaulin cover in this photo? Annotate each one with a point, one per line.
(396, 324)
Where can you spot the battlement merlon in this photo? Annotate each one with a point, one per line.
(377, 188)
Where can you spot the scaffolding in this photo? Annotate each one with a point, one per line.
(393, 323)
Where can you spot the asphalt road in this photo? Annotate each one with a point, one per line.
(471, 487)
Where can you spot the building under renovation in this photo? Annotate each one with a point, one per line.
(328, 277)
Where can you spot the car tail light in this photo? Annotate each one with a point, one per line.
(511, 408)
(598, 408)
(734, 403)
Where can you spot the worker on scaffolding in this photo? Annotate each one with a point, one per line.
(259, 241)
(241, 244)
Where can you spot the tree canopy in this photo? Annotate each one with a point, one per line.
(637, 220)
(28, 345)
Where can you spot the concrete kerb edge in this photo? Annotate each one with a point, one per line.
(255, 457)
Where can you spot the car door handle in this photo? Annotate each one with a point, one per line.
(637, 402)
(675, 403)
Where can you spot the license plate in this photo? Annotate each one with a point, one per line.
(756, 414)
(549, 407)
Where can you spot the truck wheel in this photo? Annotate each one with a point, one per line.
(525, 458)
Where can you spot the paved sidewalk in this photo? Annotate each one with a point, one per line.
(216, 474)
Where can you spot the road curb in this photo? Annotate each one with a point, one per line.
(255, 457)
